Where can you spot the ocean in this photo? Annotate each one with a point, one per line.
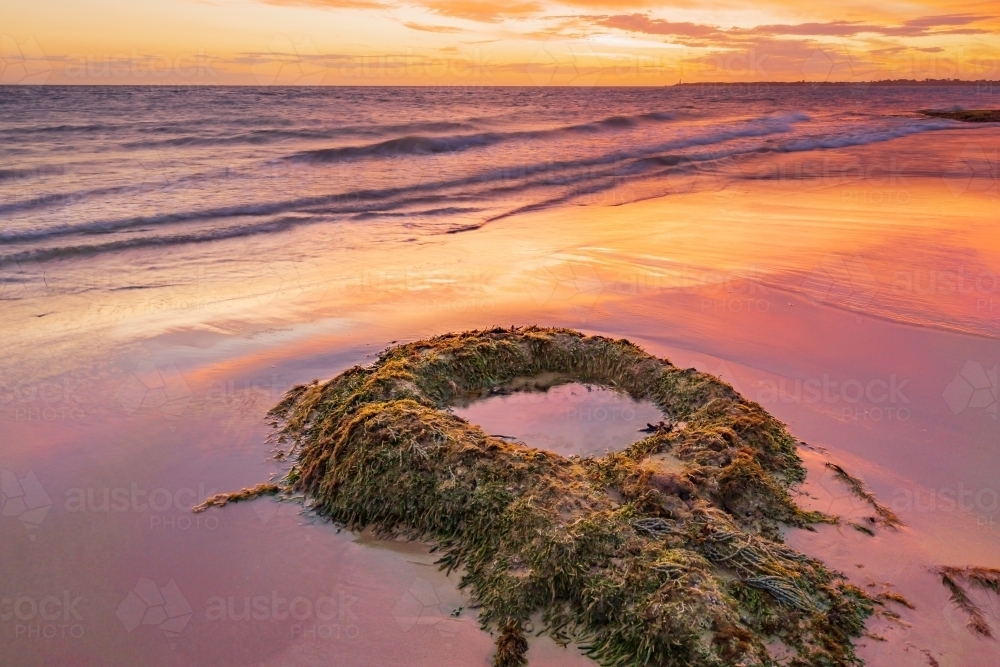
(94, 172)
(98, 170)
(174, 259)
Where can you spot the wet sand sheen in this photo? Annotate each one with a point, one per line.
(928, 249)
(235, 362)
(279, 540)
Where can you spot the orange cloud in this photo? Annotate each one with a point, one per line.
(650, 26)
(622, 4)
(412, 25)
(458, 41)
(483, 11)
(919, 27)
(697, 34)
(332, 4)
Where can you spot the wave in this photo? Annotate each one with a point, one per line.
(260, 137)
(57, 129)
(556, 182)
(46, 254)
(275, 225)
(551, 173)
(275, 135)
(428, 145)
(429, 213)
(61, 199)
(405, 145)
(192, 134)
(679, 164)
(865, 138)
(412, 145)
(23, 173)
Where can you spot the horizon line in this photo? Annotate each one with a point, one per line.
(801, 82)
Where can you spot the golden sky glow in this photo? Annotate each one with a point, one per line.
(479, 42)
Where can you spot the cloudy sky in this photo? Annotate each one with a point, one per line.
(478, 42)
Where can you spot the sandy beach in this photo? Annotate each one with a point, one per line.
(859, 305)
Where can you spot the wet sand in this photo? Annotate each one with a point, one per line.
(156, 398)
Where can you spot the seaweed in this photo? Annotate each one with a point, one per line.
(223, 499)
(891, 596)
(966, 115)
(984, 578)
(511, 646)
(885, 516)
(862, 529)
(668, 553)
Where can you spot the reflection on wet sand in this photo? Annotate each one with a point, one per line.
(568, 419)
(151, 396)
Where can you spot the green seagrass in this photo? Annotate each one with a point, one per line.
(668, 553)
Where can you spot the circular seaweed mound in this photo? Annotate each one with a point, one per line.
(668, 553)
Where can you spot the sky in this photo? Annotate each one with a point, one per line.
(481, 43)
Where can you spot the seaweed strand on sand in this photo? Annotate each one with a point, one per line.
(223, 499)
(668, 553)
(885, 516)
(984, 578)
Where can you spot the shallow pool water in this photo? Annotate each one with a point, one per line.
(572, 418)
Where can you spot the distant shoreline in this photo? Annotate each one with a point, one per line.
(965, 115)
(888, 83)
(906, 83)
